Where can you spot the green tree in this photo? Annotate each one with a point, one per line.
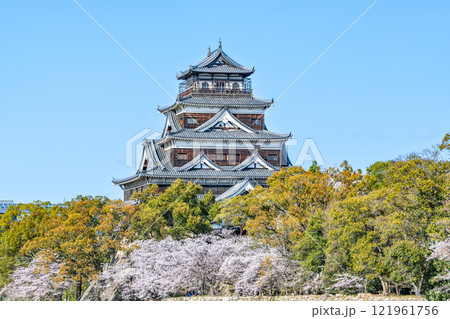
(445, 142)
(84, 233)
(280, 214)
(176, 212)
(310, 248)
(20, 224)
(385, 233)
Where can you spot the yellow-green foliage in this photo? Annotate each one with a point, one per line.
(377, 225)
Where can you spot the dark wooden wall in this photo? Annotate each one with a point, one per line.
(234, 156)
(247, 119)
(199, 117)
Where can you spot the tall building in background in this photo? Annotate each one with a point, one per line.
(215, 134)
(4, 204)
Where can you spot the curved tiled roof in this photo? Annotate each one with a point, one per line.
(164, 173)
(236, 190)
(162, 168)
(222, 69)
(202, 173)
(150, 155)
(172, 121)
(207, 65)
(219, 102)
(191, 134)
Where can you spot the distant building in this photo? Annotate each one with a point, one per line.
(215, 134)
(4, 204)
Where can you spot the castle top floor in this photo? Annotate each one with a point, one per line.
(216, 75)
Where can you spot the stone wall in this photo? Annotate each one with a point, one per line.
(338, 297)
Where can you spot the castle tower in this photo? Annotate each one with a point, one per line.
(215, 134)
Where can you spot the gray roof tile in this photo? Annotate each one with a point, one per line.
(210, 101)
(198, 174)
(236, 190)
(191, 134)
(207, 65)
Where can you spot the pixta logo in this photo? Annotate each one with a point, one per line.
(309, 153)
(134, 146)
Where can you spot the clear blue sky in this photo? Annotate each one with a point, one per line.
(70, 98)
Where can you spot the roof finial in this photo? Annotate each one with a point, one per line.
(209, 50)
(220, 43)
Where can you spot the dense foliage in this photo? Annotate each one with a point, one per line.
(370, 233)
(310, 231)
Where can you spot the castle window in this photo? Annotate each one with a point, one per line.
(272, 157)
(257, 122)
(204, 85)
(182, 156)
(235, 86)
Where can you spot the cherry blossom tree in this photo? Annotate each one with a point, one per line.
(441, 251)
(349, 283)
(40, 280)
(206, 265)
(312, 283)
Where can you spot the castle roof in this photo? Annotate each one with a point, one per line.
(212, 101)
(227, 174)
(192, 134)
(172, 123)
(217, 62)
(201, 166)
(239, 188)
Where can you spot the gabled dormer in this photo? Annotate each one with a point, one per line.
(223, 120)
(172, 124)
(201, 161)
(255, 161)
(150, 159)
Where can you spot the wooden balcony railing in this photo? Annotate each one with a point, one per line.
(216, 91)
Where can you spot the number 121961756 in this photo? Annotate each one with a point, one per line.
(411, 310)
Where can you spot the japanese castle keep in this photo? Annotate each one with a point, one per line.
(215, 134)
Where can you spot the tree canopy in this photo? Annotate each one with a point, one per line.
(310, 231)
